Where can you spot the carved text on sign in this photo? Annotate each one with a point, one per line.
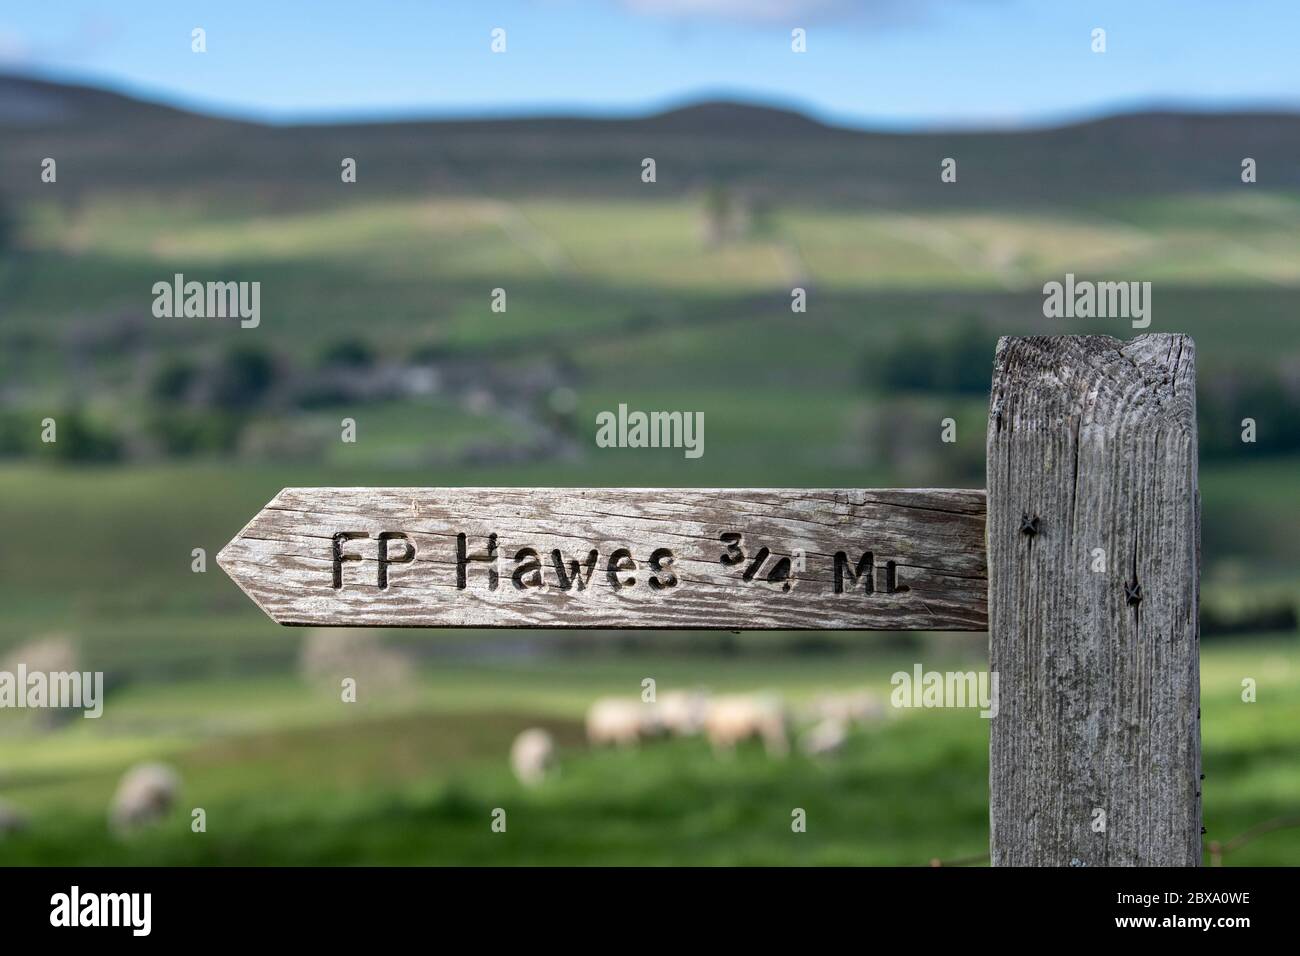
(531, 568)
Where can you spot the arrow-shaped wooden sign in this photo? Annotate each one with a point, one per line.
(617, 558)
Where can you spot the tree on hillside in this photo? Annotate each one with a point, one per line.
(352, 352)
(242, 377)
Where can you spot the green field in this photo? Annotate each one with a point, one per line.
(287, 774)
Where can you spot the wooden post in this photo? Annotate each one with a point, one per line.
(1094, 560)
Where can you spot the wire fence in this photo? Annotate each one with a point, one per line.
(1216, 848)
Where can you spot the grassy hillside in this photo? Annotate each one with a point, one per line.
(289, 775)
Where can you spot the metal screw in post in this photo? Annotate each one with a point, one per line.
(1028, 525)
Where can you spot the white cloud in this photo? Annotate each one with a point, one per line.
(14, 51)
(76, 45)
(795, 12)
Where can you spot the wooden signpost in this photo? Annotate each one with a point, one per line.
(1082, 562)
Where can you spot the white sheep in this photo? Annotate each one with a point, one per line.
(327, 655)
(683, 712)
(12, 820)
(852, 707)
(826, 738)
(52, 654)
(740, 717)
(146, 794)
(620, 720)
(532, 756)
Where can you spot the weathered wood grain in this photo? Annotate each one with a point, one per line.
(934, 539)
(1099, 691)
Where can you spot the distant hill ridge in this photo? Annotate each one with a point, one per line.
(108, 140)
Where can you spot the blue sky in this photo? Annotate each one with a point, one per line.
(891, 63)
